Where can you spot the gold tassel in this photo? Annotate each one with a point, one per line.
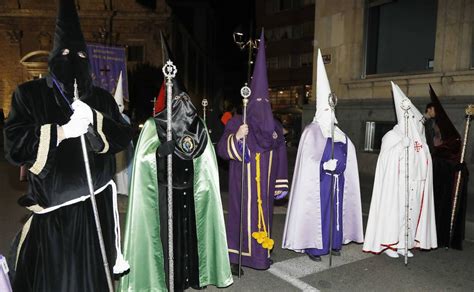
(261, 236)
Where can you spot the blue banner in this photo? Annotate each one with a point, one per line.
(106, 64)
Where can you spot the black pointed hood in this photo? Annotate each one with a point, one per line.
(451, 145)
(188, 130)
(68, 58)
(68, 33)
(447, 128)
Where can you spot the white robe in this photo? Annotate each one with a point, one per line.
(303, 228)
(386, 223)
(123, 161)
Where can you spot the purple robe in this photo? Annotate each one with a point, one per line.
(310, 196)
(325, 177)
(274, 181)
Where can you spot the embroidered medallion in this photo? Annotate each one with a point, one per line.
(187, 144)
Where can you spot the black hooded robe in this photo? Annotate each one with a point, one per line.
(446, 157)
(59, 250)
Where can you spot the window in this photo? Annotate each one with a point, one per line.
(295, 61)
(374, 132)
(284, 97)
(307, 60)
(272, 6)
(270, 34)
(297, 31)
(400, 36)
(272, 63)
(286, 4)
(286, 32)
(307, 29)
(283, 62)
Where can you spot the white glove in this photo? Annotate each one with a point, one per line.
(242, 132)
(406, 142)
(330, 165)
(75, 128)
(82, 111)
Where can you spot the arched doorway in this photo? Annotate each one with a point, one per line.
(36, 63)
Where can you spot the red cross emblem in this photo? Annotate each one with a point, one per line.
(418, 146)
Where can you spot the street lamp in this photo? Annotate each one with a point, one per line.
(239, 40)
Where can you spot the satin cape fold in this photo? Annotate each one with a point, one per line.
(143, 247)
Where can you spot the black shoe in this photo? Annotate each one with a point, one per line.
(270, 261)
(314, 258)
(336, 253)
(234, 269)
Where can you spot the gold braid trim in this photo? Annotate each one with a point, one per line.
(100, 123)
(261, 236)
(43, 149)
(229, 138)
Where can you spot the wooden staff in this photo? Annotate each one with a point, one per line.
(469, 114)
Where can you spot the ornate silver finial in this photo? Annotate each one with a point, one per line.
(245, 91)
(204, 103)
(406, 104)
(169, 70)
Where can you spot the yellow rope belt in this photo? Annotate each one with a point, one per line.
(261, 236)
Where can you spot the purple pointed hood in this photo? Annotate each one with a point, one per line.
(264, 132)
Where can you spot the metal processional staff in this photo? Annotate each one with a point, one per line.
(169, 71)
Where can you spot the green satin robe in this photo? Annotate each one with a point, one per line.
(142, 245)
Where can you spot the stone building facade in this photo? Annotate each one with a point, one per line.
(360, 67)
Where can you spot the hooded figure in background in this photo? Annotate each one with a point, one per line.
(386, 226)
(58, 247)
(199, 239)
(311, 188)
(266, 172)
(445, 147)
(123, 158)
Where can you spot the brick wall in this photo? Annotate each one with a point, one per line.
(28, 25)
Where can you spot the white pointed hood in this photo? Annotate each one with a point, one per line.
(415, 119)
(119, 94)
(323, 110)
(418, 149)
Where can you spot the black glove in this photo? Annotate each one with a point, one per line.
(460, 166)
(166, 148)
